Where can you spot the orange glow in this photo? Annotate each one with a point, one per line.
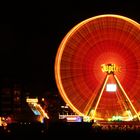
(110, 68)
(58, 77)
(38, 107)
(31, 100)
(103, 39)
(100, 95)
(126, 96)
(43, 113)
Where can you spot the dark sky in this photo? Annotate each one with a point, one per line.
(30, 34)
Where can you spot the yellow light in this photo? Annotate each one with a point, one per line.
(100, 95)
(130, 115)
(110, 68)
(126, 96)
(43, 113)
(31, 100)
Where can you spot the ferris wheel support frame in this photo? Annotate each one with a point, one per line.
(126, 97)
(130, 106)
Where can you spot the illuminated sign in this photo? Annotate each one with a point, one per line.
(71, 118)
(110, 68)
(31, 100)
(111, 87)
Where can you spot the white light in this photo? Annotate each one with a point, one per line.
(111, 87)
(71, 118)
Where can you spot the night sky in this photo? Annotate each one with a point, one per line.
(30, 34)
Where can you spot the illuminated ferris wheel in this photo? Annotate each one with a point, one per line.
(97, 68)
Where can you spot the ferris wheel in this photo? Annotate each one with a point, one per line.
(97, 67)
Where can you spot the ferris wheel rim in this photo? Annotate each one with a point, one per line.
(62, 47)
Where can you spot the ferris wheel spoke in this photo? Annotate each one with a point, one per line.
(105, 40)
